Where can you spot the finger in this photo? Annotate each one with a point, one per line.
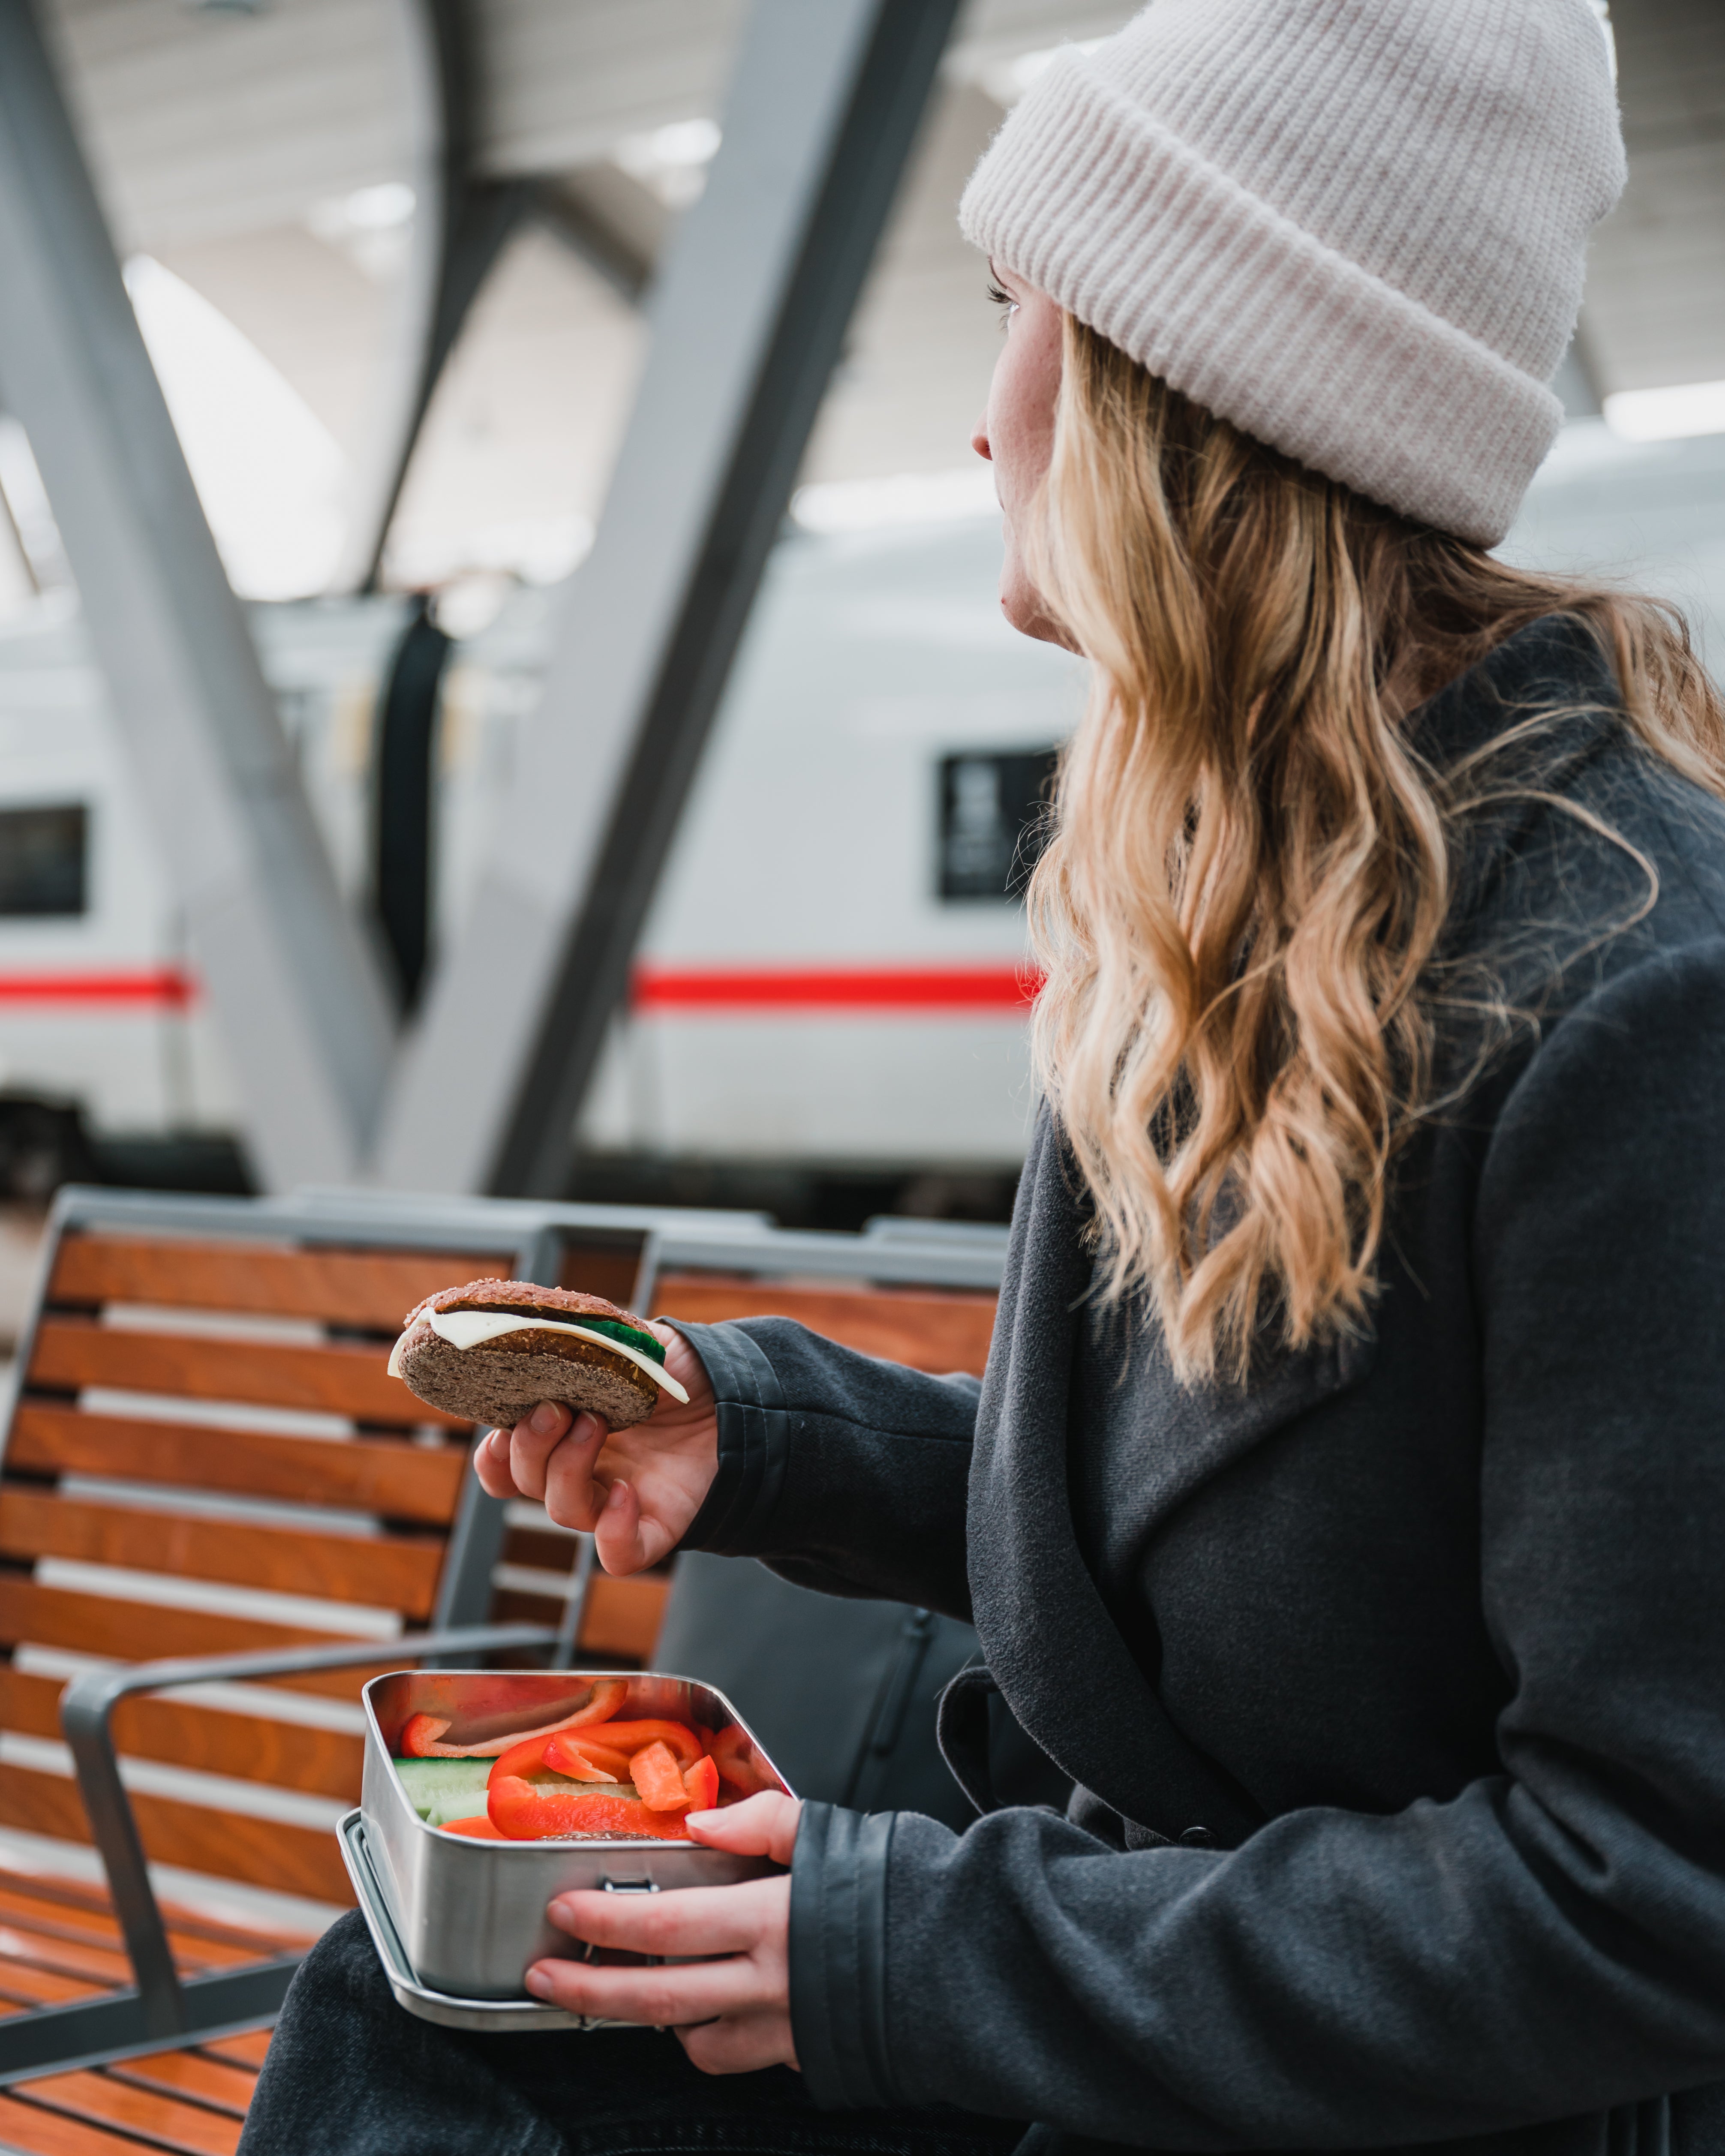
(655, 1997)
(571, 1497)
(532, 1443)
(491, 1463)
(740, 2043)
(617, 1535)
(696, 1920)
(762, 1825)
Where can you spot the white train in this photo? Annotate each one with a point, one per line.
(831, 977)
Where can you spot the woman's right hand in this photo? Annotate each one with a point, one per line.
(634, 1491)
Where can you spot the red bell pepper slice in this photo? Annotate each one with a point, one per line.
(702, 1781)
(527, 1811)
(658, 1775)
(568, 1752)
(421, 1732)
(632, 1736)
(479, 1829)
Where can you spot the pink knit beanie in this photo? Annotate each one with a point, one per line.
(1355, 228)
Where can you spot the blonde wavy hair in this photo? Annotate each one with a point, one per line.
(1249, 865)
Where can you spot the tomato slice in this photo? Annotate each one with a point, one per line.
(525, 1811)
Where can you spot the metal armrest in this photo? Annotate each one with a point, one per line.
(87, 1706)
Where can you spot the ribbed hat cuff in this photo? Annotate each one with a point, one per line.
(1160, 252)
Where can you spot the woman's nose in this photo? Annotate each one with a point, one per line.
(979, 438)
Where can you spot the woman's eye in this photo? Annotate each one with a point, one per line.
(1004, 300)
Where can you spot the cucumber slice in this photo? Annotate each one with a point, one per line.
(444, 1790)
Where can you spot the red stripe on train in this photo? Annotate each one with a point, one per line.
(165, 986)
(735, 989)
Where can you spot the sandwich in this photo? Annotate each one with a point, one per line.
(492, 1350)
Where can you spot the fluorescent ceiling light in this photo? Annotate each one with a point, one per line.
(372, 226)
(672, 161)
(872, 505)
(1667, 415)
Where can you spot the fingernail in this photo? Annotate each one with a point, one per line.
(587, 1428)
(538, 1983)
(616, 1497)
(543, 1420)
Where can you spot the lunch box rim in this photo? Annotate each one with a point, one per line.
(664, 1845)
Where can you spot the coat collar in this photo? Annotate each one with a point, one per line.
(1059, 1658)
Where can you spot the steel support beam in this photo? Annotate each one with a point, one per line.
(461, 224)
(592, 242)
(301, 998)
(748, 315)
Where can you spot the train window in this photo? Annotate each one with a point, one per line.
(991, 810)
(43, 860)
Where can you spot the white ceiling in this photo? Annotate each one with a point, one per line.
(216, 135)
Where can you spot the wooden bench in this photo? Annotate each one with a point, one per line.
(201, 1415)
(200, 1398)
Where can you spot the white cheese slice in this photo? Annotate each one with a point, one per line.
(467, 1328)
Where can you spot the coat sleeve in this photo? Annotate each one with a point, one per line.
(1549, 1942)
(842, 1472)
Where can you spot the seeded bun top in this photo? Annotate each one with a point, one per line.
(525, 1297)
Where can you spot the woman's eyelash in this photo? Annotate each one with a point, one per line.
(1000, 299)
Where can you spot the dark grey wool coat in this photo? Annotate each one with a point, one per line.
(1424, 1636)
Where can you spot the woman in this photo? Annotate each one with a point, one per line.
(1342, 1506)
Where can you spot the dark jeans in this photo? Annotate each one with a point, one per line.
(352, 2074)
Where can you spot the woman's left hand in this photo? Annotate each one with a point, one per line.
(730, 2016)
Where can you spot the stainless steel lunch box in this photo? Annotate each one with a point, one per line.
(468, 1917)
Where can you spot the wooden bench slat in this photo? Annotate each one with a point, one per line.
(540, 1546)
(212, 2081)
(397, 1571)
(599, 1269)
(107, 1966)
(245, 2050)
(73, 1894)
(190, 1954)
(101, 2099)
(25, 1985)
(36, 2133)
(62, 1896)
(123, 1630)
(621, 1619)
(372, 1288)
(287, 1754)
(938, 1329)
(337, 1377)
(292, 1860)
(384, 1475)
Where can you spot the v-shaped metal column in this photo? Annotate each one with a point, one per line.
(748, 319)
(300, 999)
